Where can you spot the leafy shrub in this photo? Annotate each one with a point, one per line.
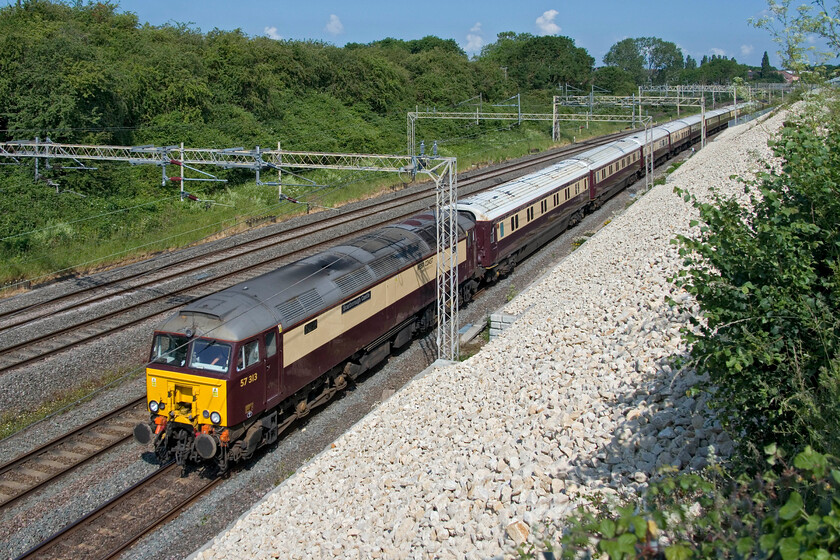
(765, 275)
(787, 512)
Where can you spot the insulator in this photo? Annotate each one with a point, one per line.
(174, 162)
(175, 179)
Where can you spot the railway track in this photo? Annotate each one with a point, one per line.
(40, 467)
(89, 525)
(173, 284)
(117, 524)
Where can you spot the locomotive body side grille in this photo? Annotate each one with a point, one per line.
(351, 283)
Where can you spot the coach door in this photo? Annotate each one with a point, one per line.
(272, 367)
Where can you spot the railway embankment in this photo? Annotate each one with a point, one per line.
(580, 396)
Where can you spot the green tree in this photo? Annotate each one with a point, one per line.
(614, 80)
(792, 27)
(690, 63)
(539, 62)
(766, 69)
(627, 56)
(647, 59)
(715, 70)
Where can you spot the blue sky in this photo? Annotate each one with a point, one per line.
(700, 27)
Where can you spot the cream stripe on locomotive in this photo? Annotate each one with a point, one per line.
(308, 337)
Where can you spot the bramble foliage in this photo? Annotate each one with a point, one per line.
(765, 275)
(785, 512)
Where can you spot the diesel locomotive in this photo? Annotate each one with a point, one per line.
(230, 371)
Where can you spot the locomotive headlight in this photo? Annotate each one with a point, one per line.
(206, 414)
(215, 417)
(153, 406)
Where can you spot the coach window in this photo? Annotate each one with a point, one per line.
(544, 206)
(556, 199)
(310, 327)
(501, 230)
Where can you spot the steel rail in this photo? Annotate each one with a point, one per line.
(476, 177)
(30, 345)
(115, 535)
(43, 451)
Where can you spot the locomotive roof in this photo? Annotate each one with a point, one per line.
(296, 291)
(500, 200)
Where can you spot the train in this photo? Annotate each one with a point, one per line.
(229, 372)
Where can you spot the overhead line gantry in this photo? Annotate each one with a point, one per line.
(442, 170)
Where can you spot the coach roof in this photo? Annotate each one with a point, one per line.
(498, 201)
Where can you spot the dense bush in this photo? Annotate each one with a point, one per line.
(765, 275)
(785, 512)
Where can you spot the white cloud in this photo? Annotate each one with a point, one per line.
(474, 40)
(474, 43)
(334, 26)
(271, 33)
(546, 25)
(747, 50)
(718, 52)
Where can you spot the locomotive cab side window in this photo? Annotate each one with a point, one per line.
(270, 343)
(210, 355)
(249, 354)
(170, 349)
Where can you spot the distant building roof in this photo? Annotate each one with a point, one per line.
(788, 76)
